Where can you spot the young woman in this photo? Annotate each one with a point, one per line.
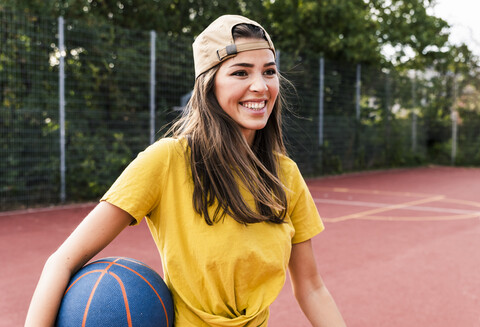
(228, 210)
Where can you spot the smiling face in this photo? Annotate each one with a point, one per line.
(246, 87)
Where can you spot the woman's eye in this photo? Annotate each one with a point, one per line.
(240, 73)
(270, 72)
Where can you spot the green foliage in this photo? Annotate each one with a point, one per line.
(341, 29)
(27, 134)
(347, 30)
(468, 139)
(107, 86)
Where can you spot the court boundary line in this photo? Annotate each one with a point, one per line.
(383, 205)
(361, 214)
(364, 191)
(30, 211)
(410, 205)
(407, 218)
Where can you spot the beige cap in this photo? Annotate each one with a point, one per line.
(215, 44)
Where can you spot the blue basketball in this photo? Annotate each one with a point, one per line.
(115, 292)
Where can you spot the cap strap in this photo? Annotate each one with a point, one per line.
(233, 49)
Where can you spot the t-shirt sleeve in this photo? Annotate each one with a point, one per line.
(302, 209)
(139, 188)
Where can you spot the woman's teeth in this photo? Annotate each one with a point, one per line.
(254, 105)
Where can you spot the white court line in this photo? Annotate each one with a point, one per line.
(385, 205)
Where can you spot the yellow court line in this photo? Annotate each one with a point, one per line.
(363, 191)
(388, 208)
(465, 202)
(366, 214)
(392, 218)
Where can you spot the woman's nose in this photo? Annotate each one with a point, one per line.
(258, 84)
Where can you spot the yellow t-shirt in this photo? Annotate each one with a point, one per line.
(227, 274)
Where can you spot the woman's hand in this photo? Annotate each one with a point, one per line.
(93, 234)
(309, 289)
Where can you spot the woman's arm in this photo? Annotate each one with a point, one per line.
(94, 233)
(309, 289)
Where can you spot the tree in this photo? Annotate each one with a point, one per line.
(340, 29)
(348, 30)
(414, 37)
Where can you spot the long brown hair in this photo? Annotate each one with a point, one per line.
(222, 162)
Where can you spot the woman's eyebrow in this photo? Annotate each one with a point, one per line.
(244, 64)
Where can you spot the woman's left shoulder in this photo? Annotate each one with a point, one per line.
(288, 167)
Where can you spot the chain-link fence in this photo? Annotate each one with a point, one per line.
(78, 102)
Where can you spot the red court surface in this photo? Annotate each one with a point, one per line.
(401, 248)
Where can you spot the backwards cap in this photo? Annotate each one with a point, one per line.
(216, 44)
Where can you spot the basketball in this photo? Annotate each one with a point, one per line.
(116, 291)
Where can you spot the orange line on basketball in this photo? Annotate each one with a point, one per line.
(85, 314)
(125, 299)
(148, 283)
(80, 277)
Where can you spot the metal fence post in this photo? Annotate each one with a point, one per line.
(454, 137)
(357, 89)
(320, 100)
(454, 117)
(153, 37)
(61, 94)
(414, 115)
(387, 138)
